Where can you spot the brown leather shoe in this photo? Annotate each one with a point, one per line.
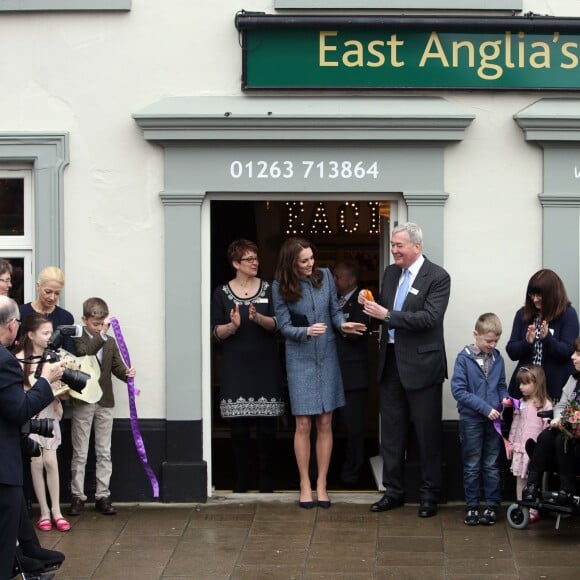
(76, 506)
(104, 506)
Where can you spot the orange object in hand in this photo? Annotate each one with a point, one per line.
(368, 295)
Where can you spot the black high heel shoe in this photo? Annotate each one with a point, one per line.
(306, 505)
(324, 504)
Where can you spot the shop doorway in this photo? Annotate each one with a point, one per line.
(341, 229)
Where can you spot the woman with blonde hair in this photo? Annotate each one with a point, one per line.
(49, 286)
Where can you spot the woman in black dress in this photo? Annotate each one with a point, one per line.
(251, 386)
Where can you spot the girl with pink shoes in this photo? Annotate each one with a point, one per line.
(34, 336)
(526, 423)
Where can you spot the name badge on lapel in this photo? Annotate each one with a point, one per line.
(413, 291)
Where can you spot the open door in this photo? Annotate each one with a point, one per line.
(341, 230)
(389, 219)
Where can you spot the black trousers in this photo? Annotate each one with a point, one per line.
(11, 500)
(242, 451)
(553, 452)
(423, 408)
(353, 416)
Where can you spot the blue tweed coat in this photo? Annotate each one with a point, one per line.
(314, 379)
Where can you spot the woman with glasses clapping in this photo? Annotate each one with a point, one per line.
(243, 322)
(543, 332)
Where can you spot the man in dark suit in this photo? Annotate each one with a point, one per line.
(411, 366)
(354, 365)
(16, 407)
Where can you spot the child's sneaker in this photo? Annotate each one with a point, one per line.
(472, 517)
(489, 517)
(534, 516)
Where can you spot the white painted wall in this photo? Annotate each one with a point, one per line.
(87, 73)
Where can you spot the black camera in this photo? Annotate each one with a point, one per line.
(42, 427)
(75, 379)
(546, 414)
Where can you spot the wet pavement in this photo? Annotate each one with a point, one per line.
(261, 536)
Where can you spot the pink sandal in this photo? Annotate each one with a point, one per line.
(534, 516)
(44, 525)
(62, 525)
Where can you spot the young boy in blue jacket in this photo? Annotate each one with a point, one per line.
(479, 387)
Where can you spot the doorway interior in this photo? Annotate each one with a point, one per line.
(340, 229)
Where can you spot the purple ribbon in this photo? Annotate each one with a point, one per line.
(139, 445)
(497, 425)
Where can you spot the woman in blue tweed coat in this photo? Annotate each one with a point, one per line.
(307, 310)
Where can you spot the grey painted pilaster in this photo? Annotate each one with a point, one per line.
(427, 210)
(183, 341)
(184, 472)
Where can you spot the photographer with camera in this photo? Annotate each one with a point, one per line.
(16, 408)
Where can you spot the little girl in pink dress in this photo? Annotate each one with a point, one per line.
(526, 423)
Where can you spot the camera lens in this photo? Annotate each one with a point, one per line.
(29, 447)
(76, 380)
(42, 427)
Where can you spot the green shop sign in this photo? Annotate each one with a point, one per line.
(500, 53)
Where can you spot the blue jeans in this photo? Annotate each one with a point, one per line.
(480, 447)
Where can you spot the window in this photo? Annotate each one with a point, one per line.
(31, 235)
(63, 5)
(16, 230)
(15, 216)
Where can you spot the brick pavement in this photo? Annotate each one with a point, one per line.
(241, 537)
